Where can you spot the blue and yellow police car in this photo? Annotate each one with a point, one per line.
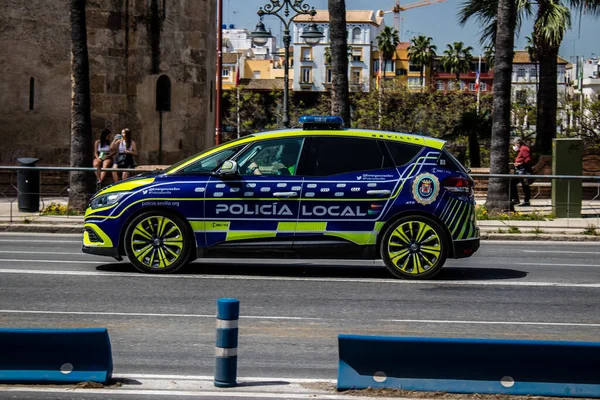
(317, 192)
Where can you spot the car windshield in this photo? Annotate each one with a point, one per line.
(184, 161)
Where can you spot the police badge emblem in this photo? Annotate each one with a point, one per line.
(426, 188)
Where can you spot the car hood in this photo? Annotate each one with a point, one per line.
(127, 185)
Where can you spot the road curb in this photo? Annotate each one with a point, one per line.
(539, 237)
(40, 228)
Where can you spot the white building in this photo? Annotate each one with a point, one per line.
(590, 84)
(239, 41)
(312, 72)
(525, 78)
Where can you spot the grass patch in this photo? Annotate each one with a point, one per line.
(484, 215)
(500, 230)
(591, 230)
(537, 231)
(59, 209)
(513, 229)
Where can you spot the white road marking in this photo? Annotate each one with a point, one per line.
(560, 252)
(268, 317)
(558, 265)
(290, 279)
(27, 241)
(536, 242)
(13, 260)
(167, 393)
(42, 252)
(211, 378)
(152, 315)
(458, 322)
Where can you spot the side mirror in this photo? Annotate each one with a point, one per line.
(229, 168)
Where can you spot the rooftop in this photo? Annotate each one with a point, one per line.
(522, 57)
(352, 16)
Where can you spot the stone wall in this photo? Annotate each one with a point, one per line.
(131, 44)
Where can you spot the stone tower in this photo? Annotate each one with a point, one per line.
(152, 69)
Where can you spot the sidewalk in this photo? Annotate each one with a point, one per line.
(564, 229)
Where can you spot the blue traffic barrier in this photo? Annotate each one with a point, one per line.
(515, 367)
(228, 314)
(55, 355)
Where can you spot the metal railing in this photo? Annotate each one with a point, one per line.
(54, 188)
(575, 215)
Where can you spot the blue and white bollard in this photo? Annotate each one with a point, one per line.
(228, 314)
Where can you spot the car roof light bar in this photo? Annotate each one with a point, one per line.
(316, 122)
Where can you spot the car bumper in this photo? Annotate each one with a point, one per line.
(465, 248)
(102, 251)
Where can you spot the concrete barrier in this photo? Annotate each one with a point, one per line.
(55, 355)
(517, 367)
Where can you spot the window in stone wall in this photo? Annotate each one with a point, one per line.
(163, 93)
(31, 93)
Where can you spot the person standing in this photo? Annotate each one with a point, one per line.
(103, 156)
(126, 150)
(522, 167)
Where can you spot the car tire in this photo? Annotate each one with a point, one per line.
(158, 242)
(414, 247)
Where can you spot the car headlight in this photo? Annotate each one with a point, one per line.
(106, 200)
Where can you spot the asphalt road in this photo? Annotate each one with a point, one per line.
(292, 311)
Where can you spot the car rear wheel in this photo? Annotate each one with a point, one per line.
(158, 242)
(414, 247)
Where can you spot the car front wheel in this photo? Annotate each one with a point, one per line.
(157, 242)
(414, 247)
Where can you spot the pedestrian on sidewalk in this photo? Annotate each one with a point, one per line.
(103, 157)
(522, 167)
(126, 150)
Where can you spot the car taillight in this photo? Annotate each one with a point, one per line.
(457, 184)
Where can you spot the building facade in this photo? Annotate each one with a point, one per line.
(312, 68)
(152, 69)
(446, 81)
(525, 78)
(588, 73)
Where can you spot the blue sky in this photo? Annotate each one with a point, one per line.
(438, 21)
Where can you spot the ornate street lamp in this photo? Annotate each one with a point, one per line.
(312, 36)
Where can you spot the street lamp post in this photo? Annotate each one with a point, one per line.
(260, 37)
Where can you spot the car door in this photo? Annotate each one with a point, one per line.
(346, 190)
(259, 206)
(192, 181)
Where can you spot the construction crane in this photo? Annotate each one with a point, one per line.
(399, 8)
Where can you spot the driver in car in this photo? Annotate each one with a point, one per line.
(289, 159)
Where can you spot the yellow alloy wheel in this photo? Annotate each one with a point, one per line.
(157, 242)
(414, 248)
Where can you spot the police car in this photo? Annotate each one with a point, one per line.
(317, 192)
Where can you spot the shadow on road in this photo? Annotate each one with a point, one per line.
(295, 269)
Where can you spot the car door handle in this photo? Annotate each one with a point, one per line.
(379, 192)
(285, 194)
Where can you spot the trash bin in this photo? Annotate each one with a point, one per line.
(28, 184)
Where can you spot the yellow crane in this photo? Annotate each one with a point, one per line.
(400, 8)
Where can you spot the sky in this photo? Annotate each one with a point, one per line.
(437, 20)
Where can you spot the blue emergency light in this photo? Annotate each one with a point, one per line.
(314, 122)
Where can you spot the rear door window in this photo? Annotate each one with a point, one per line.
(402, 153)
(339, 155)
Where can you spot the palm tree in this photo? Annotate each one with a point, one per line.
(387, 41)
(552, 19)
(489, 53)
(422, 53)
(531, 50)
(340, 93)
(504, 40)
(457, 59)
(81, 183)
